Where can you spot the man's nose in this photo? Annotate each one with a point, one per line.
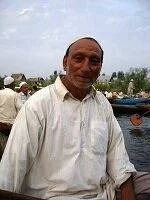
(86, 64)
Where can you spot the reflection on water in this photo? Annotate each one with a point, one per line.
(137, 141)
(136, 132)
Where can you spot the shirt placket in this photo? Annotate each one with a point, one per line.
(83, 123)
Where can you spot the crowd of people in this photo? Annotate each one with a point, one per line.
(129, 94)
(65, 143)
(10, 104)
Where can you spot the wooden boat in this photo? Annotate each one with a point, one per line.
(129, 101)
(144, 106)
(126, 109)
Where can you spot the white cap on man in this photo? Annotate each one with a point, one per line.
(8, 80)
(22, 83)
(131, 80)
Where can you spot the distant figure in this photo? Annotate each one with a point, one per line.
(24, 92)
(121, 95)
(34, 89)
(9, 107)
(108, 94)
(130, 89)
(114, 94)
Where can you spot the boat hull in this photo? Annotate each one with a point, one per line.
(130, 101)
(127, 109)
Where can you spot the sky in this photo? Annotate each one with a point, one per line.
(34, 34)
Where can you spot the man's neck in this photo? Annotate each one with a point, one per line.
(78, 93)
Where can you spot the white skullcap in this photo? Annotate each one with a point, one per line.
(78, 37)
(8, 80)
(22, 83)
(131, 79)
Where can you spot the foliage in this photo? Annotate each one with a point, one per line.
(114, 75)
(120, 80)
(1, 82)
(140, 77)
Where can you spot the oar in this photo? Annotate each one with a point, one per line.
(136, 119)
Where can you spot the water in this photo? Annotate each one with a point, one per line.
(137, 141)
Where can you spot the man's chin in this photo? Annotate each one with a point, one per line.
(83, 86)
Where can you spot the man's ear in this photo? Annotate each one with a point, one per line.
(65, 63)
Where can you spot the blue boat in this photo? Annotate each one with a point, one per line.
(130, 101)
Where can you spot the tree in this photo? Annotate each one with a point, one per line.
(114, 75)
(120, 75)
(140, 77)
(1, 82)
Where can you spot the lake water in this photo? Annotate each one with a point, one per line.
(137, 141)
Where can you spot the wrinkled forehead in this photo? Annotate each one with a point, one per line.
(83, 44)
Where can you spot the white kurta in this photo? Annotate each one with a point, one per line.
(9, 105)
(63, 148)
(23, 97)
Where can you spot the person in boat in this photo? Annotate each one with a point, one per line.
(24, 92)
(9, 107)
(108, 94)
(130, 89)
(66, 143)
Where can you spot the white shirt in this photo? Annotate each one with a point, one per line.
(9, 105)
(60, 147)
(23, 97)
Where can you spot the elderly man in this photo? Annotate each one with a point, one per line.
(24, 92)
(9, 107)
(67, 143)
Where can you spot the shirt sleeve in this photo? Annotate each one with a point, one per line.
(21, 149)
(118, 165)
(18, 102)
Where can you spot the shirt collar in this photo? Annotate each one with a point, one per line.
(63, 92)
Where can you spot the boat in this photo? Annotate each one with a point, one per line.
(129, 101)
(143, 105)
(126, 109)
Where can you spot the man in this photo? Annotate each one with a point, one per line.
(9, 107)
(34, 89)
(67, 143)
(24, 92)
(130, 89)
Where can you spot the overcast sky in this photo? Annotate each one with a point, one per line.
(34, 34)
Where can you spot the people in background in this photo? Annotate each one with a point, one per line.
(108, 94)
(130, 89)
(9, 108)
(34, 89)
(66, 143)
(114, 94)
(24, 92)
(120, 94)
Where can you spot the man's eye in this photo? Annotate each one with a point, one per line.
(78, 58)
(94, 61)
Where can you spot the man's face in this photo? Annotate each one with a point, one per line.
(24, 88)
(83, 63)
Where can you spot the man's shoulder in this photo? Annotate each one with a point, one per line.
(7, 91)
(102, 100)
(101, 96)
(43, 94)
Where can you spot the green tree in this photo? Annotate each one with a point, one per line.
(1, 82)
(140, 77)
(114, 75)
(120, 75)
